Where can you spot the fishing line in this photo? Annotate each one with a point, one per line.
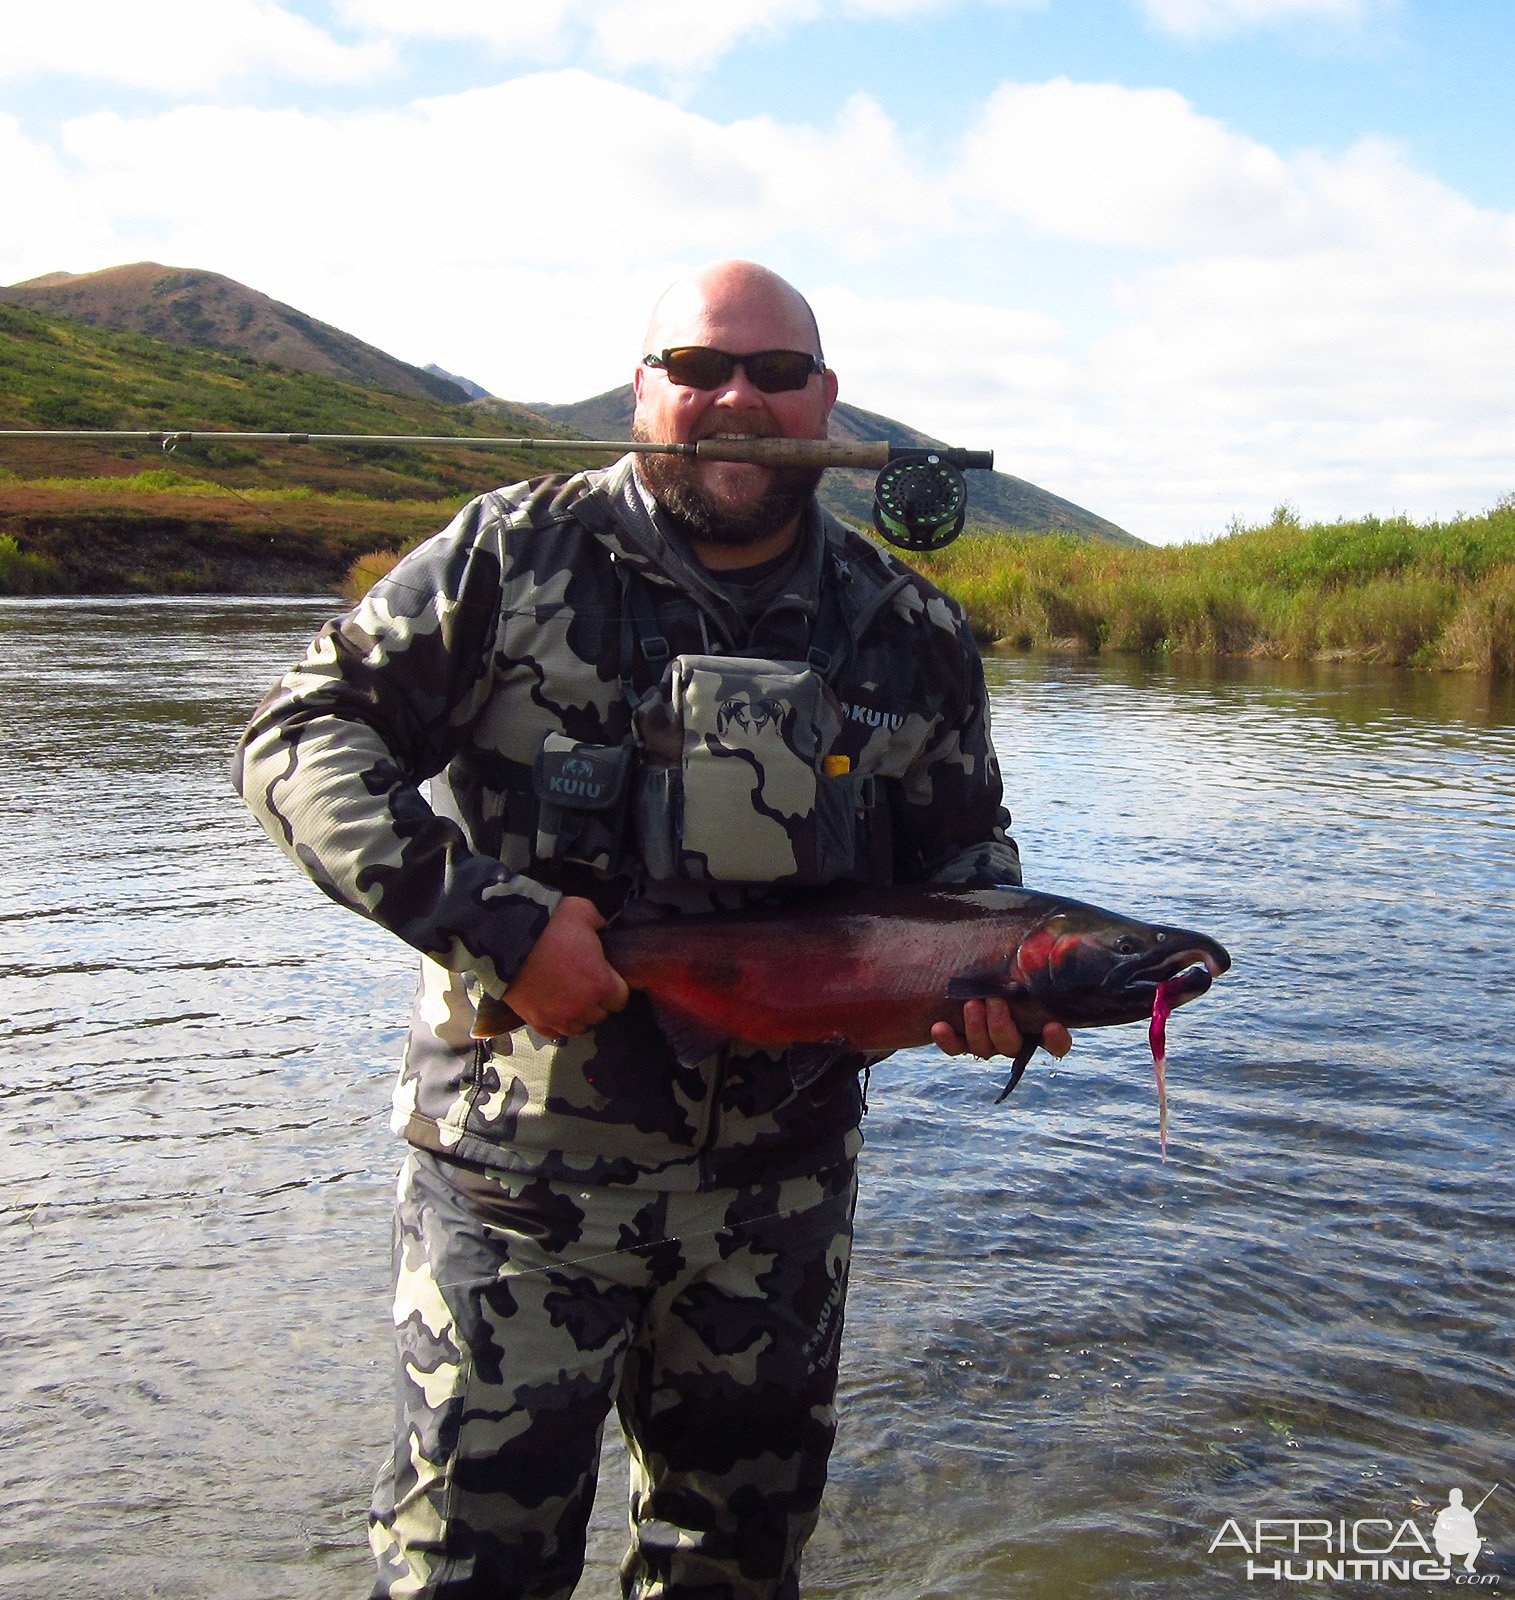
(170, 445)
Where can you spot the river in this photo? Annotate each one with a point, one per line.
(1072, 1368)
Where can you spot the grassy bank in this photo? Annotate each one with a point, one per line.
(158, 532)
(1429, 595)
(1439, 594)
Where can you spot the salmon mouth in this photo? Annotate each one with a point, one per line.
(1188, 971)
(1187, 984)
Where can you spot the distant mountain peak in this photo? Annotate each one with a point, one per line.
(474, 391)
(193, 307)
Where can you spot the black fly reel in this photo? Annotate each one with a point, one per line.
(920, 501)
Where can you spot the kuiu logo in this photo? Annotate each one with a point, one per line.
(1376, 1549)
(576, 779)
(869, 718)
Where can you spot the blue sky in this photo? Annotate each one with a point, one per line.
(1177, 260)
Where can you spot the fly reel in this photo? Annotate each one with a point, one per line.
(920, 501)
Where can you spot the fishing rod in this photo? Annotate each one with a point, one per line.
(920, 501)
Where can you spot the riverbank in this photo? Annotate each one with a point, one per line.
(1391, 592)
(1435, 595)
(159, 532)
(1432, 595)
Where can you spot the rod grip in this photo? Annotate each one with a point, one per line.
(794, 452)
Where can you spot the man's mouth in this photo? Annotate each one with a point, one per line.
(732, 433)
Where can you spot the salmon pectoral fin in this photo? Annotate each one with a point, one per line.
(971, 988)
(1018, 1068)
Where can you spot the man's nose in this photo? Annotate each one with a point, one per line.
(739, 391)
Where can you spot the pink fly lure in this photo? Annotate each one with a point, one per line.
(1157, 1035)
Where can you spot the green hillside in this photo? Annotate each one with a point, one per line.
(57, 373)
(87, 516)
(204, 310)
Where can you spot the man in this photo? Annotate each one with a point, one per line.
(584, 1219)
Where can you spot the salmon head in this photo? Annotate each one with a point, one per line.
(1089, 967)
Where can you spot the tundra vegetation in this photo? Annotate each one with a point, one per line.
(1430, 594)
(220, 517)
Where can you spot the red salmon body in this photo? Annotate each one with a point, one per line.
(873, 969)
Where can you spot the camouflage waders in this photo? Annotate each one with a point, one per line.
(713, 1320)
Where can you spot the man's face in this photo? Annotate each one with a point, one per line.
(731, 503)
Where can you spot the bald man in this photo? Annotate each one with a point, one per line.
(586, 1218)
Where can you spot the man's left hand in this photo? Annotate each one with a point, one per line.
(989, 1030)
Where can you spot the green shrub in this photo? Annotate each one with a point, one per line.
(21, 572)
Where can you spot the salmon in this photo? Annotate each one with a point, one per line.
(873, 969)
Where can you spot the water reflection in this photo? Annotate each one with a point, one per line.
(1067, 1361)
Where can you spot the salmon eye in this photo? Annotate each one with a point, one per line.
(1126, 946)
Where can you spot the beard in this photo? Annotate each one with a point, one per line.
(673, 482)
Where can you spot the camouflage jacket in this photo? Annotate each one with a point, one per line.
(507, 627)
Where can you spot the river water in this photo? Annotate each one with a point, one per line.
(1072, 1369)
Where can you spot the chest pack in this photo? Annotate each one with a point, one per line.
(733, 772)
(741, 780)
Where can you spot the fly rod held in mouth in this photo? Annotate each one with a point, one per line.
(919, 501)
(764, 452)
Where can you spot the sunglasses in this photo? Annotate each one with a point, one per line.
(697, 366)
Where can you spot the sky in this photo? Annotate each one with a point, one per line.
(1179, 261)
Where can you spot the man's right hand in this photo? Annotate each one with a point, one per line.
(565, 985)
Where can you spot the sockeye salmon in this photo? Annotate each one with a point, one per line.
(873, 969)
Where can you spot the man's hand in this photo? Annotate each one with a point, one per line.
(565, 985)
(989, 1030)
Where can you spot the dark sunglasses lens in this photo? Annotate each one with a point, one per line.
(696, 367)
(777, 371)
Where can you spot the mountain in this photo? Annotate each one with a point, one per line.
(275, 352)
(997, 501)
(474, 391)
(57, 373)
(203, 310)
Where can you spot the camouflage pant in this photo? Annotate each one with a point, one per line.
(524, 1308)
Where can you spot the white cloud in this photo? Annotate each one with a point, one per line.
(1131, 167)
(621, 34)
(36, 186)
(944, 365)
(539, 30)
(429, 229)
(1199, 19)
(1171, 323)
(178, 46)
